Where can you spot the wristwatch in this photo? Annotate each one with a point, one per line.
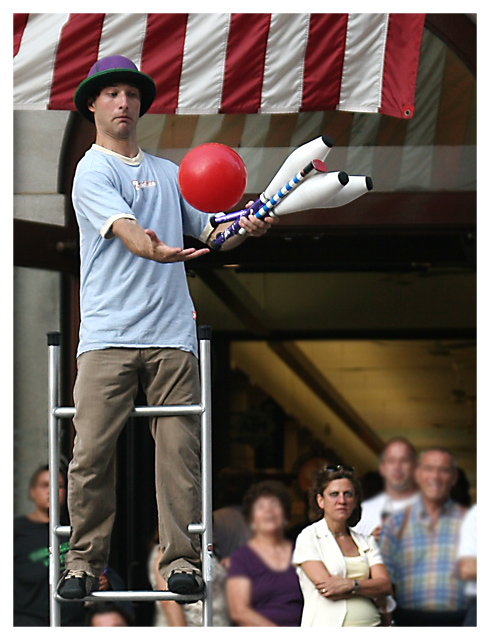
(356, 586)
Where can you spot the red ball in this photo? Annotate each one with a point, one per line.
(212, 177)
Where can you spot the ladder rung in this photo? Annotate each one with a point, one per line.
(137, 596)
(143, 412)
(65, 530)
(196, 528)
(62, 530)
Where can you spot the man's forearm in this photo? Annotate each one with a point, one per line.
(146, 244)
(467, 568)
(133, 236)
(253, 227)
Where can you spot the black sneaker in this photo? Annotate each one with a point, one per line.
(185, 582)
(75, 585)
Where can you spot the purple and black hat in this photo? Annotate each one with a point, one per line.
(113, 69)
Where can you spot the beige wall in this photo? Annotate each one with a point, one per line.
(38, 137)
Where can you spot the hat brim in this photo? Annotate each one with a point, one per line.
(91, 85)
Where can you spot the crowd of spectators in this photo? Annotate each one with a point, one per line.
(404, 556)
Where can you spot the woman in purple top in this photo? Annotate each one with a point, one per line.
(262, 586)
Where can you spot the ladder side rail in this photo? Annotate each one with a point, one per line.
(54, 478)
(206, 475)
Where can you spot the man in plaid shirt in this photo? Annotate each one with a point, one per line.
(419, 547)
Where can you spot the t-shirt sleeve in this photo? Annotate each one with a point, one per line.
(374, 554)
(196, 223)
(96, 198)
(306, 548)
(467, 541)
(239, 565)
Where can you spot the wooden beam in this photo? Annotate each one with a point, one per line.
(302, 366)
(458, 32)
(238, 300)
(45, 246)
(392, 210)
(246, 309)
(317, 250)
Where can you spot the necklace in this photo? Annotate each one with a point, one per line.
(340, 535)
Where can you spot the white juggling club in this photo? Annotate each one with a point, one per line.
(318, 148)
(314, 193)
(357, 187)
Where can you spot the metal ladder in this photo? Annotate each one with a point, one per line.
(204, 528)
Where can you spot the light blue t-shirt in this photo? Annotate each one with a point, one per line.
(125, 300)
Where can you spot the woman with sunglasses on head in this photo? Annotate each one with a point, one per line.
(341, 572)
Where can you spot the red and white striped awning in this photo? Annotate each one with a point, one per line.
(213, 63)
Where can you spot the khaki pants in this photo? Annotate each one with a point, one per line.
(104, 394)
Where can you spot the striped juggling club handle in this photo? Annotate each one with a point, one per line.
(267, 207)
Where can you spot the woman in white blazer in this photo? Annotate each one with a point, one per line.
(341, 572)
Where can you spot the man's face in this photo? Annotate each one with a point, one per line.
(436, 476)
(40, 491)
(116, 110)
(398, 467)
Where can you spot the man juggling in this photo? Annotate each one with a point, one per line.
(137, 324)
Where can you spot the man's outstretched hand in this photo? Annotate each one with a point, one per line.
(160, 252)
(146, 244)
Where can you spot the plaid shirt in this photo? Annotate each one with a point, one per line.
(422, 563)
